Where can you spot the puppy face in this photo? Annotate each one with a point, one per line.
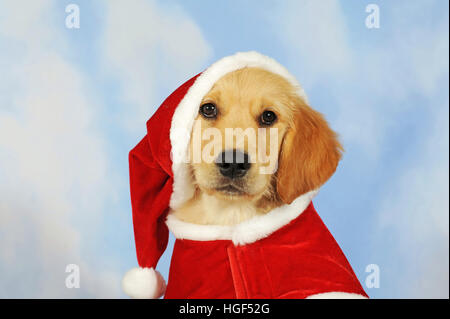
(240, 126)
(255, 139)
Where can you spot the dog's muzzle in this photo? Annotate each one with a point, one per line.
(233, 164)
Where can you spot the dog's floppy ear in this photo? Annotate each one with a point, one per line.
(309, 154)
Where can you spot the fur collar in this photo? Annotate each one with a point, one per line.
(246, 232)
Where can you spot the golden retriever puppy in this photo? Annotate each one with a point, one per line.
(284, 149)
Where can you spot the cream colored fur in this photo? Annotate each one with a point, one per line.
(211, 210)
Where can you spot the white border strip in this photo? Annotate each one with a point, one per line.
(337, 295)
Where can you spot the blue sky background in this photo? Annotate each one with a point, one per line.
(73, 102)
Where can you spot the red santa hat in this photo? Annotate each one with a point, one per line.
(159, 177)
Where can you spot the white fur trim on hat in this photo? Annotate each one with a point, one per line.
(337, 295)
(187, 110)
(143, 283)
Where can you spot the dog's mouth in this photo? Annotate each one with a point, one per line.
(231, 190)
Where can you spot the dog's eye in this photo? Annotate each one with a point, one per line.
(208, 110)
(267, 118)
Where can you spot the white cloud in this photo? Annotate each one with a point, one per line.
(52, 165)
(315, 34)
(55, 169)
(414, 57)
(24, 21)
(415, 210)
(148, 46)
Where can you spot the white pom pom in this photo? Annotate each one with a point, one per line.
(143, 283)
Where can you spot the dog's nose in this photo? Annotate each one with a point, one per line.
(233, 163)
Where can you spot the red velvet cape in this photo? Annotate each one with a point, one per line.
(296, 261)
